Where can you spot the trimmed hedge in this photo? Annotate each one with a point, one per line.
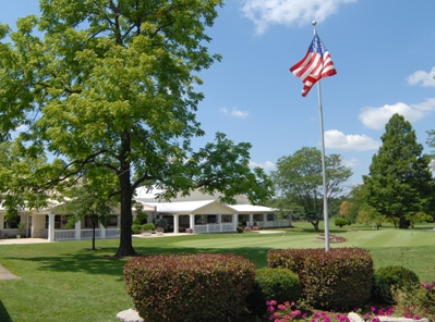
(135, 228)
(278, 284)
(183, 288)
(392, 276)
(149, 226)
(340, 279)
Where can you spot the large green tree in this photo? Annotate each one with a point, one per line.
(299, 181)
(112, 85)
(399, 183)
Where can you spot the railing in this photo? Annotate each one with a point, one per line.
(64, 234)
(274, 223)
(214, 228)
(112, 232)
(88, 233)
(70, 234)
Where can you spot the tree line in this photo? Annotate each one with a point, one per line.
(399, 188)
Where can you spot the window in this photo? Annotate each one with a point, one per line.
(12, 223)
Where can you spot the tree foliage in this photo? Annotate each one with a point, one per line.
(399, 183)
(108, 88)
(299, 180)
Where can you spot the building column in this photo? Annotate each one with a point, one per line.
(251, 219)
(235, 221)
(51, 227)
(192, 222)
(264, 217)
(78, 230)
(102, 232)
(176, 224)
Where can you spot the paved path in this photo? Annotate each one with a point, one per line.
(6, 275)
(20, 241)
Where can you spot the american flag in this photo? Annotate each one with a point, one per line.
(315, 65)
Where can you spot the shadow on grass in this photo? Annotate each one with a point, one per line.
(101, 261)
(4, 315)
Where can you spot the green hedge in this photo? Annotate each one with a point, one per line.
(278, 284)
(198, 287)
(340, 279)
(392, 276)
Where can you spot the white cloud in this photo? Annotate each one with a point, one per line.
(268, 165)
(235, 112)
(351, 163)
(377, 117)
(420, 77)
(22, 128)
(335, 139)
(287, 12)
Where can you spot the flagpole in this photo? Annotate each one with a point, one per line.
(325, 197)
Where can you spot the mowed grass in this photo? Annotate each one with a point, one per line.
(66, 281)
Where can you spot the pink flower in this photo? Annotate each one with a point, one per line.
(271, 309)
(281, 307)
(295, 313)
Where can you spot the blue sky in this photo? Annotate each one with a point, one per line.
(384, 53)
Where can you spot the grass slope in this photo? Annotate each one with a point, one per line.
(67, 282)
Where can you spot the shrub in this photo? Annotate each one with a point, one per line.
(141, 218)
(392, 276)
(279, 284)
(416, 301)
(136, 228)
(162, 222)
(340, 222)
(198, 287)
(336, 280)
(240, 229)
(146, 227)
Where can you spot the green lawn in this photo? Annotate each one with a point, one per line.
(67, 282)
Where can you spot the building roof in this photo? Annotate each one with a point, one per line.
(189, 207)
(196, 203)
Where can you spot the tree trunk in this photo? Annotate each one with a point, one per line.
(126, 240)
(93, 234)
(94, 221)
(403, 223)
(316, 225)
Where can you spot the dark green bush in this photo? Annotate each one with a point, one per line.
(278, 284)
(141, 218)
(240, 229)
(340, 279)
(340, 222)
(184, 288)
(392, 276)
(148, 227)
(136, 228)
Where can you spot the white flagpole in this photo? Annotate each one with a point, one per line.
(325, 197)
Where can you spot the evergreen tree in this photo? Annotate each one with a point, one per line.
(399, 183)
